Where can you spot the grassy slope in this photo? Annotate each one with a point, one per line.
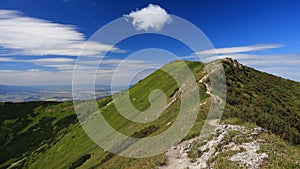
(269, 101)
(70, 144)
(24, 126)
(75, 144)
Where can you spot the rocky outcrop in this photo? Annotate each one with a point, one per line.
(235, 64)
(246, 152)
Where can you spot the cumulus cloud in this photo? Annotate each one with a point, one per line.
(24, 35)
(152, 17)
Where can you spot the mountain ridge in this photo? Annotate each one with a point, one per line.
(249, 95)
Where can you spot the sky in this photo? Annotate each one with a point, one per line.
(40, 41)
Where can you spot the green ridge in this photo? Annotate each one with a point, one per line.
(49, 135)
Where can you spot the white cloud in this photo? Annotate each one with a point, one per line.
(239, 49)
(261, 60)
(7, 60)
(51, 60)
(65, 68)
(41, 61)
(34, 77)
(61, 64)
(32, 36)
(239, 52)
(288, 72)
(152, 17)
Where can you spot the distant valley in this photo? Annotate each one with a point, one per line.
(43, 93)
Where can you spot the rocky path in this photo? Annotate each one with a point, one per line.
(177, 156)
(246, 152)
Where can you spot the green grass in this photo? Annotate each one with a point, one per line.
(24, 129)
(195, 151)
(282, 154)
(50, 136)
(71, 143)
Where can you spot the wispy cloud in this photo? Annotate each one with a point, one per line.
(24, 35)
(239, 49)
(41, 60)
(35, 77)
(119, 69)
(152, 17)
(259, 60)
(58, 64)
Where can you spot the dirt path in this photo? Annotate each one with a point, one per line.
(214, 122)
(208, 88)
(177, 156)
(216, 98)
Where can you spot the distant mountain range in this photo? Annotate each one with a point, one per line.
(260, 126)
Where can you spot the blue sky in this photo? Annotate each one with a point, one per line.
(40, 40)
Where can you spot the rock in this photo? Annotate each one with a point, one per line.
(250, 158)
(177, 157)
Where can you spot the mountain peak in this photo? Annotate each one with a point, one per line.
(233, 62)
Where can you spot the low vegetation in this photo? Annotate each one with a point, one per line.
(48, 133)
(267, 100)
